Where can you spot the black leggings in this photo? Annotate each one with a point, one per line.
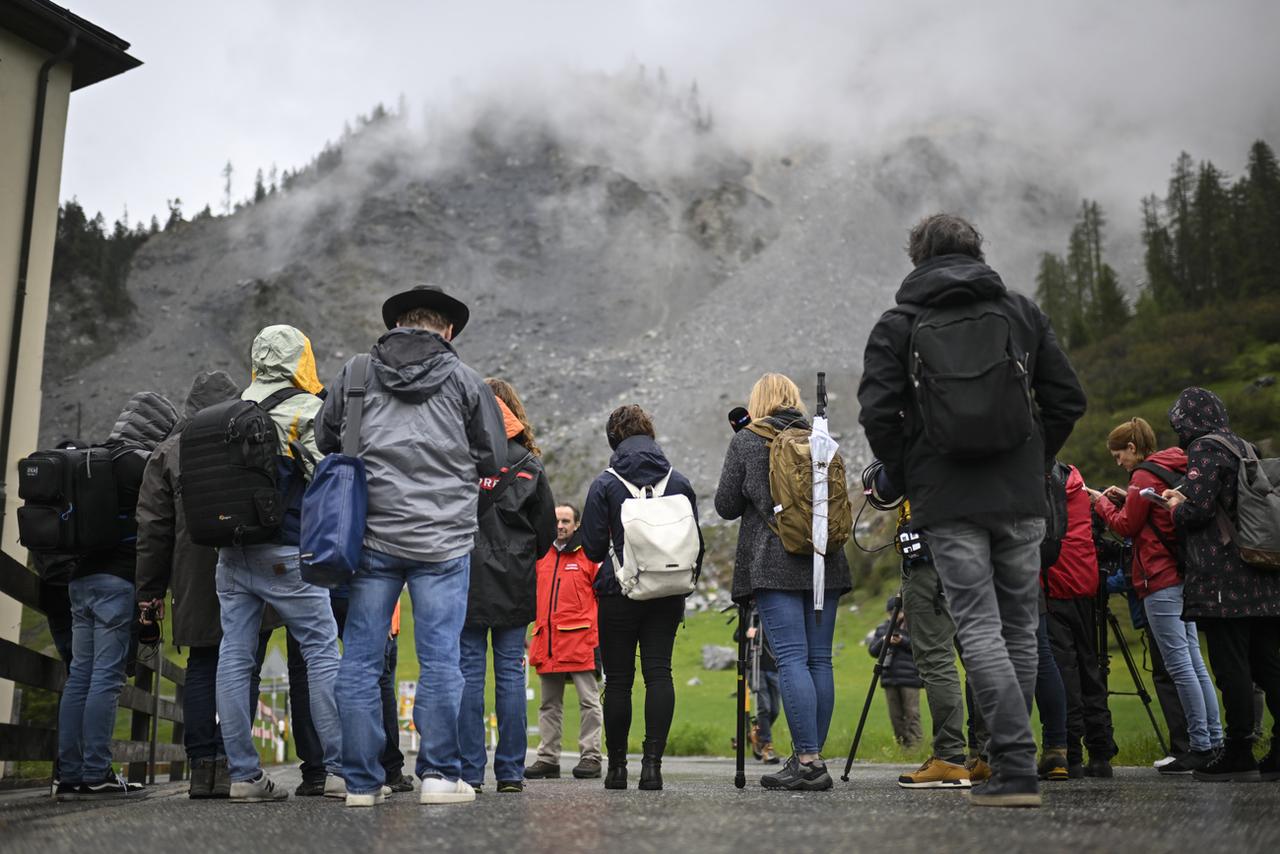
(651, 625)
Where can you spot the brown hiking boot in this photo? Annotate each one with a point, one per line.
(979, 770)
(768, 755)
(936, 773)
(1053, 764)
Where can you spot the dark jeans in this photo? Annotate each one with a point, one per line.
(1242, 652)
(768, 704)
(1073, 632)
(1167, 693)
(1051, 694)
(201, 735)
(626, 624)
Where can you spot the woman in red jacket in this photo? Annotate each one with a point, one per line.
(1157, 578)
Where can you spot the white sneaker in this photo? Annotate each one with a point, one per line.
(366, 800)
(1160, 763)
(334, 786)
(435, 790)
(257, 791)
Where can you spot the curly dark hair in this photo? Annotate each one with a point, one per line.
(625, 422)
(943, 234)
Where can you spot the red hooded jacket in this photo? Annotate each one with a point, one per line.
(1154, 568)
(1076, 572)
(566, 632)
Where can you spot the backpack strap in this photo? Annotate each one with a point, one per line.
(631, 487)
(357, 384)
(508, 478)
(1227, 526)
(279, 396)
(1168, 476)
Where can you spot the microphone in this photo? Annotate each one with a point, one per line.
(738, 418)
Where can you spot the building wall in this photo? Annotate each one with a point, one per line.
(20, 64)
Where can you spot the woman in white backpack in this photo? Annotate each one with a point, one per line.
(640, 522)
(782, 585)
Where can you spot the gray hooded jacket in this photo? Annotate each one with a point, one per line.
(431, 429)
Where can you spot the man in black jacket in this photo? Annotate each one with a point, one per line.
(981, 508)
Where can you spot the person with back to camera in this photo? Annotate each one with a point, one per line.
(625, 623)
(1235, 603)
(782, 585)
(1157, 579)
(966, 397)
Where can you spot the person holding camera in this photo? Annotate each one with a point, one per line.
(901, 681)
(966, 396)
(1156, 578)
(782, 585)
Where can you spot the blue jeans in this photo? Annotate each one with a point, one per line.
(439, 594)
(101, 614)
(991, 572)
(248, 579)
(1180, 649)
(509, 699)
(1051, 694)
(802, 646)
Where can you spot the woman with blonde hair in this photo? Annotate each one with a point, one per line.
(1157, 578)
(782, 585)
(517, 519)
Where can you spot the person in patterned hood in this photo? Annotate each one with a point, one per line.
(1237, 605)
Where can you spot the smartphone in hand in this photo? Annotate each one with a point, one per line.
(1153, 496)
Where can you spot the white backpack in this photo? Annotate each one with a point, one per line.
(660, 542)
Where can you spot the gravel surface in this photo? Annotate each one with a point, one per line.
(700, 811)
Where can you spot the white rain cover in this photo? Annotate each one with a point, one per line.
(821, 448)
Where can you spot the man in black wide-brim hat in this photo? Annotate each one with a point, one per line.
(430, 430)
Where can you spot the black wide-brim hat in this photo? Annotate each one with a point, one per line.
(426, 296)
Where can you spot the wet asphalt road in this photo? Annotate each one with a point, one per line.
(699, 811)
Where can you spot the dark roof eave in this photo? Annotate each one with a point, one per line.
(99, 54)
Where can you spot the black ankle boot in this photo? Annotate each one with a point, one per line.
(651, 766)
(616, 776)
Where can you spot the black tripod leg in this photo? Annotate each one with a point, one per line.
(740, 772)
(871, 693)
(1136, 674)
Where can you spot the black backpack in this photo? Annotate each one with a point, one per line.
(229, 475)
(971, 386)
(1055, 531)
(71, 503)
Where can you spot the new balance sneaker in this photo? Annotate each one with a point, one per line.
(400, 783)
(437, 790)
(114, 786)
(797, 776)
(978, 769)
(1006, 792)
(936, 773)
(542, 770)
(1187, 763)
(586, 769)
(334, 786)
(512, 786)
(261, 789)
(1053, 765)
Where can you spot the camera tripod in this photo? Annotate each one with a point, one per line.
(882, 662)
(1107, 618)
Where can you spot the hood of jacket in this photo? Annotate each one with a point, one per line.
(413, 364)
(950, 280)
(282, 354)
(509, 421)
(1174, 459)
(146, 420)
(1198, 412)
(788, 417)
(640, 461)
(209, 388)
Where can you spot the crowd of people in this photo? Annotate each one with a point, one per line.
(966, 400)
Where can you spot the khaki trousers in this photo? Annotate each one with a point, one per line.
(551, 715)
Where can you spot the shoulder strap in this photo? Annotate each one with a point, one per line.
(660, 489)
(764, 430)
(508, 478)
(1223, 442)
(632, 488)
(279, 396)
(357, 381)
(1168, 476)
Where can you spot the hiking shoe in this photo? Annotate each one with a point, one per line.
(1187, 763)
(311, 788)
(1100, 768)
(112, 787)
(1053, 765)
(1269, 765)
(369, 799)
(757, 749)
(586, 769)
(505, 786)
(400, 783)
(542, 770)
(936, 773)
(221, 778)
(259, 790)
(797, 776)
(769, 756)
(334, 786)
(437, 790)
(202, 774)
(1006, 792)
(978, 769)
(1233, 764)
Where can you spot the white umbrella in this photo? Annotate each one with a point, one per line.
(821, 450)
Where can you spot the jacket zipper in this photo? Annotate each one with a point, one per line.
(555, 597)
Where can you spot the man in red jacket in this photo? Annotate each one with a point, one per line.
(1071, 585)
(563, 646)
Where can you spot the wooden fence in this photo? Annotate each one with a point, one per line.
(31, 669)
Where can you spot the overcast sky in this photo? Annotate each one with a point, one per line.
(1116, 88)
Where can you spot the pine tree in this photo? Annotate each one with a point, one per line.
(1211, 265)
(175, 214)
(1181, 228)
(1161, 285)
(1258, 227)
(227, 172)
(259, 188)
(1052, 295)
